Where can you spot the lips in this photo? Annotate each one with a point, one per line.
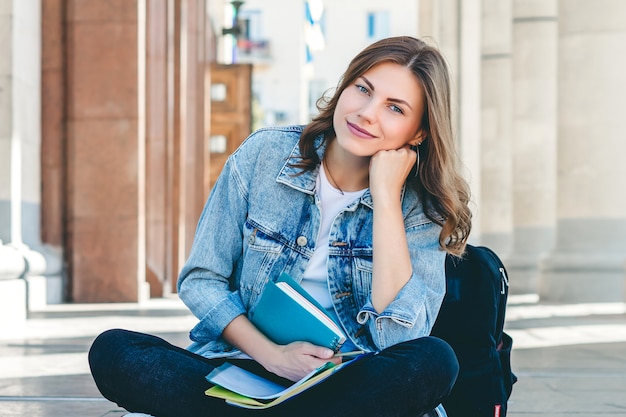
(359, 132)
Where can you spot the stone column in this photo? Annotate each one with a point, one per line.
(495, 207)
(105, 151)
(135, 144)
(52, 150)
(469, 102)
(534, 139)
(588, 261)
(455, 29)
(21, 268)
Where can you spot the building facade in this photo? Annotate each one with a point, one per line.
(105, 132)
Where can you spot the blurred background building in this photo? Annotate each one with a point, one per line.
(117, 115)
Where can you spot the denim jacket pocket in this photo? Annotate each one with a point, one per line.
(362, 279)
(261, 251)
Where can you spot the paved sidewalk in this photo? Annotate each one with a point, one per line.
(570, 359)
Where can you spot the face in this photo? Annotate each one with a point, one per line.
(381, 110)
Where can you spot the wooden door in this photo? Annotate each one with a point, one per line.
(230, 116)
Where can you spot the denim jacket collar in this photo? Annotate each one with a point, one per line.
(305, 182)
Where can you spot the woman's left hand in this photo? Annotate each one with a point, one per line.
(389, 170)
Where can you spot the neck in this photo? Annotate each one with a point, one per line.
(346, 173)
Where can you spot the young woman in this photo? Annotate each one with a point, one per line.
(360, 206)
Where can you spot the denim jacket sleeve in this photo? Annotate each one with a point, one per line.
(205, 283)
(413, 312)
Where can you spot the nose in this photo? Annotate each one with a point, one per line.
(368, 111)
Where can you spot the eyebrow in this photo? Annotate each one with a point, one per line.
(393, 100)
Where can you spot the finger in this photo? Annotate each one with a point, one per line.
(325, 353)
(336, 360)
(310, 349)
(321, 352)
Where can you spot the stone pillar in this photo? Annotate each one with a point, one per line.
(495, 207)
(469, 102)
(588, 261)
(135, 144)
(455, 29)
(156, 146)
(21, 268)
(52, 148)
(534, 139)
(13, 304)
(105, 158)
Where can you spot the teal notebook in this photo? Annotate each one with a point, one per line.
(286, 313)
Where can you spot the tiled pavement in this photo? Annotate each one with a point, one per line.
(570, 359)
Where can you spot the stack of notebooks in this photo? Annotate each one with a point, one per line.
(242, 388)
(285, 313)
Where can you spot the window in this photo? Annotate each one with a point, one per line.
(377, 25)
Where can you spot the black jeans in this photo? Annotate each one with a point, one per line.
(144, 373)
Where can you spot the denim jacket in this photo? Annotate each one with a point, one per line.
(261, 219)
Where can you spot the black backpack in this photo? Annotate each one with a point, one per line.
(471, 320)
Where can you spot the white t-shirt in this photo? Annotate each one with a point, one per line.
(332, 201)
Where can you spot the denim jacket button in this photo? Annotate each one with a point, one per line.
(301, 240)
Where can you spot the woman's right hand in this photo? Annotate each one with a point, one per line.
(389, 170)
(292, 361)
(295, 360)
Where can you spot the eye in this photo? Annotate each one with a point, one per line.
(362, 89)
(396, 109)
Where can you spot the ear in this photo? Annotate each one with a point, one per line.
(419, 138)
